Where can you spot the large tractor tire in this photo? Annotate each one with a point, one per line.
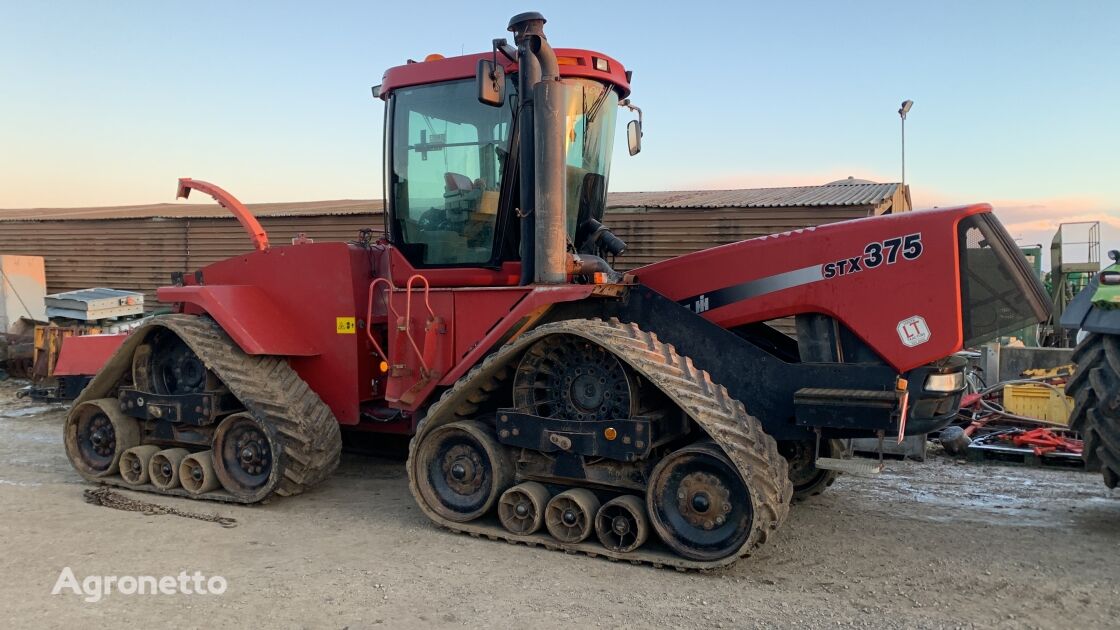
(1095, 389)
(273, 435)
(712, 495)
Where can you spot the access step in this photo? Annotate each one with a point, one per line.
(855, 466)
(858, 409)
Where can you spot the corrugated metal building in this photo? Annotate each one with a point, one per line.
(660, 225)
(138, 247)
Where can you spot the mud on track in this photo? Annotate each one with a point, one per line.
(926, 545)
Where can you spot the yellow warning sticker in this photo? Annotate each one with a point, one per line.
(345, 325)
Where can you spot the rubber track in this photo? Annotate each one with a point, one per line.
(724, 419)
(1095, 389)
(265, 385)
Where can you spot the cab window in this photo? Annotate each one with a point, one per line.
(448, 154)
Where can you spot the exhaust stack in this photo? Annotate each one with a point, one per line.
(544, 254)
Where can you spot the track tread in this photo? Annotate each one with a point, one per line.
(724, 419)
(265, 385)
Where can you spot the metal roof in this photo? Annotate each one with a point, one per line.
(196, 210)
(835, 194)
(845, 194)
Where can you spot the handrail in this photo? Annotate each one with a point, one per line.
(394, 314)
(369, 315)
(408, 318)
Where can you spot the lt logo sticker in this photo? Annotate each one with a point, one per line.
(913, 331)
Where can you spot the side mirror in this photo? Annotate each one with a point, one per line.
(634, 136)
(491, 79)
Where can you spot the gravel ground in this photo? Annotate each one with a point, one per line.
(940, 544)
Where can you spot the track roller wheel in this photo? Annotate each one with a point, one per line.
(808, 480)
(135, 462)
(244, 457)
(461, 470)
(97, 434)
(163, 469)
(196, 473)
(570, 515)
(521, 508)
(699, 504)
(621, 524)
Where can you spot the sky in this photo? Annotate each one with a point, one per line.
(107, 103)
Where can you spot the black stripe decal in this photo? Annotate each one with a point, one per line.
(752, 288)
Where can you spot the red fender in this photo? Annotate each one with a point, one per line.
(248, 315)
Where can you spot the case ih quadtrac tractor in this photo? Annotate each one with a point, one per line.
(652, 416)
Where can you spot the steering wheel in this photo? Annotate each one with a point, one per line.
(432, 220)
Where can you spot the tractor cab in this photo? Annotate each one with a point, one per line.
(447, 153)
(458, 180)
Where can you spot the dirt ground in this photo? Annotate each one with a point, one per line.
(938, 544)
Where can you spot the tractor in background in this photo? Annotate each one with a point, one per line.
(1095, 385)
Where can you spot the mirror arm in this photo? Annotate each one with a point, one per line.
(632, 107)
(502, 46)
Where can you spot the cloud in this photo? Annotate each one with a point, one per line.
(1038, 221)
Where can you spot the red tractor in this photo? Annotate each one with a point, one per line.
(652, 416)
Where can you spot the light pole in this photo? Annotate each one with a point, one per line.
(902, 111)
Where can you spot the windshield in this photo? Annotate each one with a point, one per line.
(591, 109)
(999, 292)
(448, 152)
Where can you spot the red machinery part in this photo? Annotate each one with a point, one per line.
(84, 355)
(229, 202)
(785, 274)
(1045, 440)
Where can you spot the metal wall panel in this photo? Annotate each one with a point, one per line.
(140, 254)
(654, 235)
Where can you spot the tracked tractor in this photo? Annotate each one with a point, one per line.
(653, 416)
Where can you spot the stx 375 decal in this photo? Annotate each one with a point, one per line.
(875, 254)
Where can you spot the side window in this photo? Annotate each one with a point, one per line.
(448, 154)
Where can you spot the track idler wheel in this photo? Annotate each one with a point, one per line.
(521, 508)
(699, 504)
(163, 469)
(570, 515)
(97, 434)
(245, 457)
(196, 473)
(135, 462)
(621, 524)
(462, 470)
(165, 364)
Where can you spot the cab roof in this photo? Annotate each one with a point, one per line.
(574, 62)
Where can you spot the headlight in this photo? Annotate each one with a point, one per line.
(945, 382)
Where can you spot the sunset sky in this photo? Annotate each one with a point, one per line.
(1015, 103)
